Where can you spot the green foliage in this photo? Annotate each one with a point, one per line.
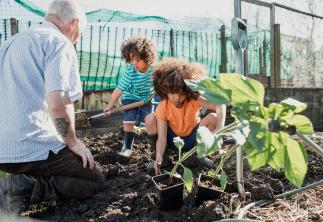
(207, 143)
(2, 174)
(188, 179)
(266, 129)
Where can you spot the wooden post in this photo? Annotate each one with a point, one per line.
(264, 57)
(260, 61)
(277, 61)
(171, 33)
(245, 56)
(223, 66)
(14, 26)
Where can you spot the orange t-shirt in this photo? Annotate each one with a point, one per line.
(181, 120)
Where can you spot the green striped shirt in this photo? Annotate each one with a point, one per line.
(136, 85)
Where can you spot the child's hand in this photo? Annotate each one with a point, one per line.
(157, 165)
(107, 110)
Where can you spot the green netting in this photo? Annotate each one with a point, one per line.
(98, 50)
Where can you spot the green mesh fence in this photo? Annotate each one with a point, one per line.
(98, 50)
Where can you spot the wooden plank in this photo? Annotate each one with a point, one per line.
(223, 66)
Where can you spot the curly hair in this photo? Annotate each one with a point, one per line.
(139, 47)
(169, 75)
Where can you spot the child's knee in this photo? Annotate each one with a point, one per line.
(209, 121)
(151, 124)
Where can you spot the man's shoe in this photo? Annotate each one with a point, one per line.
(15, 190)
(204, 161)
(125, 152)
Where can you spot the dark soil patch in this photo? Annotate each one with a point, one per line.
(130, 195)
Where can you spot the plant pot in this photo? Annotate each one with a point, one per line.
(207, 193)
(170, 196)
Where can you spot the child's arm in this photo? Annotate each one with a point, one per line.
(114, 98)
(161, 144)
(220, 112)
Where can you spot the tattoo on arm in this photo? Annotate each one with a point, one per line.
(61, 126)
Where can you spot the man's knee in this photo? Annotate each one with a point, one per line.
(99, 183)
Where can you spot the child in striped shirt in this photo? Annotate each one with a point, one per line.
(135, 85)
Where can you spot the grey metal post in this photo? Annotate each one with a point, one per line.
(237, 8)
(239, 69)
(238, 53)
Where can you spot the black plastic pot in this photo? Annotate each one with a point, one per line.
(170, 197)
(206, 193)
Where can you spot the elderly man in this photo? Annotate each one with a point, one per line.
(39, 81)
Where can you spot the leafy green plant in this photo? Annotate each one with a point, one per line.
(2, 174)
(263, 132)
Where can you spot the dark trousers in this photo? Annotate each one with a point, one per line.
(60, 176)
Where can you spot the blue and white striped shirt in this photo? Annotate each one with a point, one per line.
(32, 64)
(136, 85)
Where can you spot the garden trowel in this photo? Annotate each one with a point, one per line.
(84, 121)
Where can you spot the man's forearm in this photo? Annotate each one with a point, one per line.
(61, 110)
(63, 118)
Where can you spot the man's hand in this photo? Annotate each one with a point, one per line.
(80, 149)
(157, 165)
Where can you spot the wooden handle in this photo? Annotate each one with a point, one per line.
(128, 106)
(121, 108)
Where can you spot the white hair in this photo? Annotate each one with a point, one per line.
(66, 11)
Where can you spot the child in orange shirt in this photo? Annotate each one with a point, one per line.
(178, 112)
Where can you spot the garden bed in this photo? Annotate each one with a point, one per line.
(129, 194)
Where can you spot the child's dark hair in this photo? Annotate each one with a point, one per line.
(169, 75)
(139, 47)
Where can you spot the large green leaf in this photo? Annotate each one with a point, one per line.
(295, 162)
(256, 158)
(275, 110)
(294, 104)
(243, 89)
(211, 90)
(277, 145)
(229, 88)
(244, 111)
(302, 124)
(258, 132)
(207, 143)
(188, 179)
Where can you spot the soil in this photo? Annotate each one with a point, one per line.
(130, 195)
(166, 182)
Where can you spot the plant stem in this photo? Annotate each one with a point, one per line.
(184, 157)
(228, 128)
(224, 158)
